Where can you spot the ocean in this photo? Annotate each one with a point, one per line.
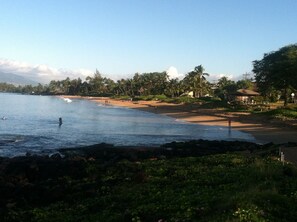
(30, 124)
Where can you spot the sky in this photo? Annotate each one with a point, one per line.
(53, 39)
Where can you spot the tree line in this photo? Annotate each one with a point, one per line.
(275, 76)
(155, 83)
(145, 84)
(276, 73)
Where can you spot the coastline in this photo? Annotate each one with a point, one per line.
(110, 183)
(99, 182)
(262, 129)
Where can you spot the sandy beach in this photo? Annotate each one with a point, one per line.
(262, 129)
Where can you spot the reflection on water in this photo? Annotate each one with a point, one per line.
(32, 125)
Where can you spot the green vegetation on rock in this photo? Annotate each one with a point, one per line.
(142, 185)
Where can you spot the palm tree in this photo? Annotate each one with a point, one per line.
(225, 87)
(196, 81)
(173, 88)
(96, 83)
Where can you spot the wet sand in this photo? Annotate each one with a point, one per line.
(263, 129)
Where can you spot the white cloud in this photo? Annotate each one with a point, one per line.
(216, 77)
(173, 73)
(225, 75)
(41, 73)
(85, 72)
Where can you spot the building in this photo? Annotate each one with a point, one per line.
(245, 96)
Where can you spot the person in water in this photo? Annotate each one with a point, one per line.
(60, 121)
(4, 118)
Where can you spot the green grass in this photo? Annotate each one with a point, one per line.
(282, 113)
(222, 187)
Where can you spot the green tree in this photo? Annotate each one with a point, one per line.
(174, 88)
(245, 84)
(121, 86)
(39, 89)
(65, 85)
(225, 86)
(96, 84)
(109, 86)
(196, 81)
(151, 83)
(6, 87)
(137, 84)
(277, 70)
(74, 87)
(54, 88)
(84, 88)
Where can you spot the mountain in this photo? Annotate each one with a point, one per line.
(15, 79)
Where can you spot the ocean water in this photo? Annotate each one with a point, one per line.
(31, 124)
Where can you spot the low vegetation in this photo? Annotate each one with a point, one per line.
(196, 181)
(282, 113)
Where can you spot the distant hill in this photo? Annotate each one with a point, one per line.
(16, 79)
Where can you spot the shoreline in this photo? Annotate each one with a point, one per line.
(86, 182)
(263, 130)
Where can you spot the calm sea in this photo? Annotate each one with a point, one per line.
(31, 124)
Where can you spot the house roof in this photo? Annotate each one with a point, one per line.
(246, 92)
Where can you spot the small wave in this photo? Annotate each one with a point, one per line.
(67, 100)
(181, 121)
(10, 139)
(7, 141)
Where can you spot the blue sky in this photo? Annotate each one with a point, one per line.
(121, 37)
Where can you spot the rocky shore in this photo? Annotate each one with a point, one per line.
(34, 182)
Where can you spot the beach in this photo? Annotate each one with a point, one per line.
(263, 129)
